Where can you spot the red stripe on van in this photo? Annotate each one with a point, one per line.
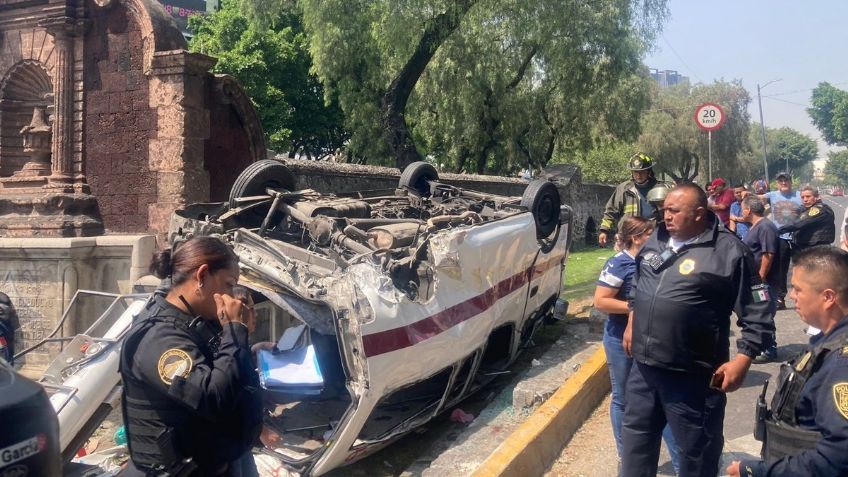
(394, 339)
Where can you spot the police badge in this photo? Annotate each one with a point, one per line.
(840, 398)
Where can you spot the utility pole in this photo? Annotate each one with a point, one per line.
(763, 132)
(763, 129)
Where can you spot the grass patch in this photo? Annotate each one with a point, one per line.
(582, 270)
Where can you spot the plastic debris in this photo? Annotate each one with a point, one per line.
(460, 416)
(535, 363)
(121, 436)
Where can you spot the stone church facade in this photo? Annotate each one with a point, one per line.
(108, 123)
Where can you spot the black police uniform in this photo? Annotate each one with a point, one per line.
(191, 399)
(682, 303)
(8, 325)
(806, 430)
(815, 226)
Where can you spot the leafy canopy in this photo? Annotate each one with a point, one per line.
(511, 84)
(272, 63)
(681, 149)
(836, 167)
(829, 113)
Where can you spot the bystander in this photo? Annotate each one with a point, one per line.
(723, 198)
(786, 207)
(764, 244)
(738, 225)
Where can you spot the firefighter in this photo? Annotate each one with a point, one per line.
(630, 197)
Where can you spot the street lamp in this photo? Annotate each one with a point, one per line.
(763, 128)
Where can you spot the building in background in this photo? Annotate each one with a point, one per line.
(666, 78)
(182, 9)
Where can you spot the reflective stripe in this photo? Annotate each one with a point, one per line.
(632, 209)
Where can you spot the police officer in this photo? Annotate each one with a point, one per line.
(679, 336)
(191, 401)
(816, 224)
(807, 426)
(8, 326)
(630, 197)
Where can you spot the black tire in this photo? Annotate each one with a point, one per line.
(416, 177)
(259, 176)
(542, 199)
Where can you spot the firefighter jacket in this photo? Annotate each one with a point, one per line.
(807, 427)
(815, 226)
(189, 394)
(682, 301)
(625, 200)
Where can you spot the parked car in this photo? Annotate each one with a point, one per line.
(837, 192)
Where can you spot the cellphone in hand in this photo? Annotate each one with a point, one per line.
(716, 380)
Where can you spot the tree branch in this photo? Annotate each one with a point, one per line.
(395, 129)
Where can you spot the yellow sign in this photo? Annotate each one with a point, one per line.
(173, 363)
(686, 267)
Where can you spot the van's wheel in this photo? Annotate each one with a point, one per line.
(416, 177)
(259, 176)
(542, 199)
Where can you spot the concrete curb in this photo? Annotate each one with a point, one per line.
(538, 441)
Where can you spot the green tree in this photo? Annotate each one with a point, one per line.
(829, 113)
(836, 167)
(484, 86)
(272, 63)
(681, 149)
(607, 163)
(784, 145)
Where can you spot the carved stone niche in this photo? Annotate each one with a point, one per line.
(37, 137)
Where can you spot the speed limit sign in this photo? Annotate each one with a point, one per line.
(709, 116)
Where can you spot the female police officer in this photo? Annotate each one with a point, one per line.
(190, 392)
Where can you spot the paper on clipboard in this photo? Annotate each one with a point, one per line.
(291, 370)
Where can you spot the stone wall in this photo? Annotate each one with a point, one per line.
(41, 277)
(118, 120)
(586, 200)
(139, 126)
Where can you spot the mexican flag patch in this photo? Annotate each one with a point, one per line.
(759, 293)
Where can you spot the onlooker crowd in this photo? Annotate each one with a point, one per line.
(670, 291)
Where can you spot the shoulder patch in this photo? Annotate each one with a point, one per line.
(814, 211)
(840, 398)
(173, 363)
(844, 353)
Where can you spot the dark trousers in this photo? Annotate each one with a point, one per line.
(693, 411)
(783, 257)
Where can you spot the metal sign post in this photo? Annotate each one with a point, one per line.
(709, 117)
(710, 154)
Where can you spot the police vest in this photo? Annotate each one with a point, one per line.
(153, 421)
(784, 437)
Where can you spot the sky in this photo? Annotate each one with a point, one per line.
(799, 43)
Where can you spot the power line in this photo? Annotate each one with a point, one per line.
(691, 71)
(786, 93)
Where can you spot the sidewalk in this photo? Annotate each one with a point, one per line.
(592, 449)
